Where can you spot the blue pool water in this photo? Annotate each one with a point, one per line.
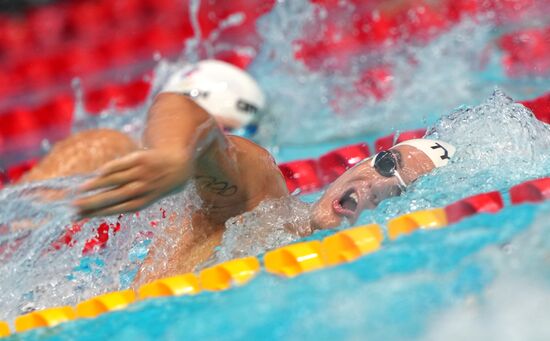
(400, 292)
(484, 278)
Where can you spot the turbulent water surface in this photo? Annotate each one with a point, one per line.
(448, 284)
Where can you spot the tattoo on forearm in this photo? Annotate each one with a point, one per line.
(212, 184)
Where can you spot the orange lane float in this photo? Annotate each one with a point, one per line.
(490, 202)
(225, 275)
(530, 191)
(4, 329)
(348, 245)
(408, 223)
(187, 284)
(104, 303)
(44, 318)
(293, 260)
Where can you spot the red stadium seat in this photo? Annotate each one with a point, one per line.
(123, 10)
(15, 38)
(47, 24)
(79, 61)
(87, 20)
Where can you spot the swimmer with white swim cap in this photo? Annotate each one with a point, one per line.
(183, 142)
(229, 94)
(386, 174)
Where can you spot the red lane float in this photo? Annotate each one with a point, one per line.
(57, 114)
(376, 28)
(540, 106)
(459, 9)
(376, 83)
(302, 174)
(16, 172)
(386, 142)
(490, 202)
(421, 22)
(530, 191)
(526, 52)
(335, 163)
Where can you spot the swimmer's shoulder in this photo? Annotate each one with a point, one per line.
(261, 162)
(250, 148)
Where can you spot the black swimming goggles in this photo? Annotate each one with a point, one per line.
(385, 163)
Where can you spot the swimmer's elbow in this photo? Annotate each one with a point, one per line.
(181, 104)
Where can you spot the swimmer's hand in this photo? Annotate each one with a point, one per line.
(134, 182)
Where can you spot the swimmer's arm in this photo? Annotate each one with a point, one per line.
(178, 134)
(177, 124)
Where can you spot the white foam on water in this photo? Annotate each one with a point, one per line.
(499, 144)
(274, 222)
(41, 268)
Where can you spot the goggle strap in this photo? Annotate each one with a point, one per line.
(402, 183)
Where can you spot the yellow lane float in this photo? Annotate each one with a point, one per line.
(44, 318)
(186, 284)
(224, 275)
(292, 260)
(351, 244)
(408, 223)
(104, 303)
(4, 329)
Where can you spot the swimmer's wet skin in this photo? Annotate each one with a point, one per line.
(384, 175)
(183, 142)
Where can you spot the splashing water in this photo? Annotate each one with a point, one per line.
(38, 271)
(326, 101)
(273, 223)
(47, 260)
(418, 80)
(499, 144)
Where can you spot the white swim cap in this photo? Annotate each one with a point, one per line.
(221, 89)
(438, 151)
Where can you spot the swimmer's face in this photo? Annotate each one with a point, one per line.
(361, 188)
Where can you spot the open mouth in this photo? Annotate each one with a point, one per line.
(347, 204)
